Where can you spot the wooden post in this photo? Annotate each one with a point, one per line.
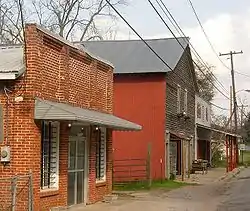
(231, 153)
(167, 154)
(13, 192)
(189, 157)
(227, 160)
(182, 160)
(30, 191)
(149, 165)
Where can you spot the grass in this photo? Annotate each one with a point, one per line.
(137, 186)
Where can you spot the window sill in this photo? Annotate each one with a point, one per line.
(100, 183)
(49, 192)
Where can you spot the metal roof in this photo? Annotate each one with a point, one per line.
(133, 56)
(12, 59)
(48, 110)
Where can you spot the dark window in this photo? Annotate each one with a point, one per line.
(206, 114)
(49, 155)
(198, 111)
(101, 154)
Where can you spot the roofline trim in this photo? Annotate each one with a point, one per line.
(133, 40)
(63, 40)
(143, 72)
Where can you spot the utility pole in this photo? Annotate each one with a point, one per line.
(231, 108)
(241, 118)
(231, 53)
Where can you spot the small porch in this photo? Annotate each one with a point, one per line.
(203, 138)
(179, 155)
(76, 152)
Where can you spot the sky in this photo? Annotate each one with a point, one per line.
(226, 22)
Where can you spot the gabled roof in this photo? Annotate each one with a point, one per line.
(133, 56)
(11, 61)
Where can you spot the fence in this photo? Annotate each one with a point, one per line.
(16, 193)
(132, 170)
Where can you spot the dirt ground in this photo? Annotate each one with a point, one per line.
(203, 197)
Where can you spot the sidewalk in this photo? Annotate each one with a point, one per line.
(212, 175)
(188, 198)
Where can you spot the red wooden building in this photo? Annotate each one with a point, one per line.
(153, 95)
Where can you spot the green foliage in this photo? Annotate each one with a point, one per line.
(172, 176)
(245, 130)
(217, 159)
(135, 186)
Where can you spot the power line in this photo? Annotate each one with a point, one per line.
(156, 54)
(142, 38)
(226, 109)
(207, 38)
(182, 45)
(243, 74)
(181, 33)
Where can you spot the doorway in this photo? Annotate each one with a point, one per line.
(175, 157)
(77, 165)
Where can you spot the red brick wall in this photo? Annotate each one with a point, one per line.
(61, 73)
(141, 98)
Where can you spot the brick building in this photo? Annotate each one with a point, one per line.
(57, 117)
(160, 98)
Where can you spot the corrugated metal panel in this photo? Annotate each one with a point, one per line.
(12, 59)
(59, 111)
(133, 56)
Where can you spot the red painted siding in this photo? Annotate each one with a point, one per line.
(141, 98)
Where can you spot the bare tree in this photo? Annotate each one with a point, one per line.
(11, 22)
(205, 80)
(72, 19)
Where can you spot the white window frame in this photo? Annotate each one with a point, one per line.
(55, 186)
(178, 99)
(199, 111)
(103, 179)
(186, 101)
(203, 112)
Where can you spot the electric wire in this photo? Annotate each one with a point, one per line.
(205, 34)
(181, 33)
(130, 26)
(152, 5)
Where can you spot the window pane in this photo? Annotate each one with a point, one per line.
(101, 154)
(71, 188)
(49, 154)
(198, 111)
(80, 189)
(72, 155)
(80, 154)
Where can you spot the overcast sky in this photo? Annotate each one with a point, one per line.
(226, 23)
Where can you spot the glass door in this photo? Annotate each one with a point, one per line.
(76, 168)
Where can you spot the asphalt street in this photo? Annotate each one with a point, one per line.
(237, 197)
(224, 195)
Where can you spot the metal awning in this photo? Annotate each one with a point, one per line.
(203, 126)
(48, 110)
(226, 133)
